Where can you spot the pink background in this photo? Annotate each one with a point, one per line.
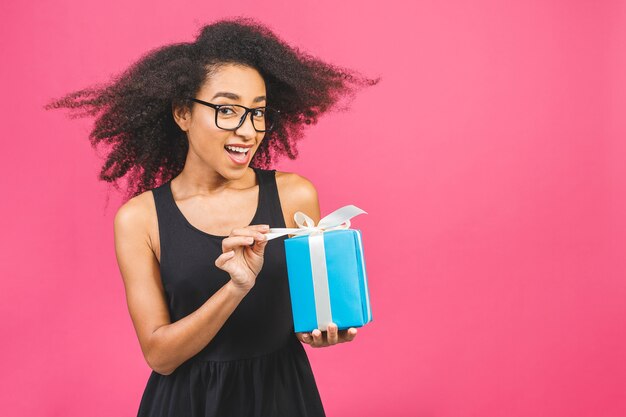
(490, 158)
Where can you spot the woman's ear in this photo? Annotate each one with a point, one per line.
(182, 116)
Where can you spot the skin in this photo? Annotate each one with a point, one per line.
(209, 183)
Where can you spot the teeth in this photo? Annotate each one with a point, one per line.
(237, 149)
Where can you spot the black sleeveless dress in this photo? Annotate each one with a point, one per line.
(255, 365)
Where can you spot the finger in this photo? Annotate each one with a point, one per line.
(347, 335)
(258, 236)
(306, 338)
(333, 336)
(259, 246)
(223, 258)
(233, 242)
(318, 340)
(260, 227)
(249, 230)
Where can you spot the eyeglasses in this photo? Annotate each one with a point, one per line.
(232, 116)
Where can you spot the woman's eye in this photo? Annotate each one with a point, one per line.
(226, 111)
(259, 113)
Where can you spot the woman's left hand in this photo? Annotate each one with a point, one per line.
(317, 338)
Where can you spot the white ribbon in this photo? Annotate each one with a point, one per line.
(338, 219)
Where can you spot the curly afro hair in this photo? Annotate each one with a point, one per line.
(134, 110)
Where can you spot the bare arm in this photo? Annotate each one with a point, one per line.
(165, 345)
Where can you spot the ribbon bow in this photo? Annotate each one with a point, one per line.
(338, 219)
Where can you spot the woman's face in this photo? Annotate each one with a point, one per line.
(230, 84)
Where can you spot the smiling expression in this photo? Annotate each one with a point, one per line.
(225, 150)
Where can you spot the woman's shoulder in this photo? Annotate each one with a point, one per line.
(295, 185)
(297, 193)
(137, 216)
(138, 207)
(287, 179)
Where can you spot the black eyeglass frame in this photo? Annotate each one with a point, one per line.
(248, 110)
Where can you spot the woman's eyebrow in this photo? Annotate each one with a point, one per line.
(234, 96)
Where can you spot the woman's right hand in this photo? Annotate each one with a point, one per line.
(242, 255)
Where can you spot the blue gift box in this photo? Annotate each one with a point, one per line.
(328, 285)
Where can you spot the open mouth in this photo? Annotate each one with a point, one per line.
(239, 155)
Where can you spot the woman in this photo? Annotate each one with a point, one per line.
(207, 293)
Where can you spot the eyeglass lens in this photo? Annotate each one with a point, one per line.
(229, 117)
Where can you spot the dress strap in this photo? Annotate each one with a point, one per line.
(270, 197)
(166, 218)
